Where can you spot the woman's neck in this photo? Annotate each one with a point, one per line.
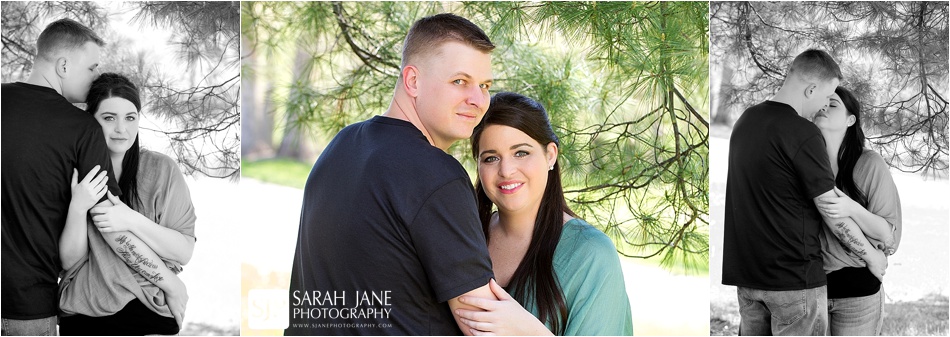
(117, 164)
(518, 224)
(833, 142)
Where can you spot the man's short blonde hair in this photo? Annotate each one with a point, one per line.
(429, 33)
(64, 35)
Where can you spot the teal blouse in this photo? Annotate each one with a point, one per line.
(587, 267)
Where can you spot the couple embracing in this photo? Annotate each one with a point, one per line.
(386, 211)
(811, 213)
(95, 229)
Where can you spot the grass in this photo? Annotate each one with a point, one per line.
(280, 171)
(201, 329)
(924, 317)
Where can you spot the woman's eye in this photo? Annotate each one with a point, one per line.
(108, 118)
(490, 159)
(130, 118)
(521, 153)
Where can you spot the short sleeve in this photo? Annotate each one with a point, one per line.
(873, 177)
(92, 151)
(813, 168)
(595, 291)
(177, 212)
(449, 241)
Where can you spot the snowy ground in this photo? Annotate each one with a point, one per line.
(918, 270)
(662, 303)
(213, 276)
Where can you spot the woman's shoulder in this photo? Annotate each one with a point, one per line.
(153, 159)
(157, 166)
(584, 241)
(870, 160)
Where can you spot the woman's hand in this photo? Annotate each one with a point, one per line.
(877, 263)
(177, 300)
(840, 206)
(504, 317)
(116, 218)
(86, 193)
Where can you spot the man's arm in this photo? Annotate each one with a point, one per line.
(852, 238)
(93, 151)
(481, 292)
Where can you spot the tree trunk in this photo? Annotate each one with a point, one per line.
(297, 143)
(723, 87)
(257, 124)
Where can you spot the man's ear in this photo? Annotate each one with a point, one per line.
(810, 90)
(61, 67)
(410, 80)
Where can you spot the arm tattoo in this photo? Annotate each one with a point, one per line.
(136, 261)
(850, 242)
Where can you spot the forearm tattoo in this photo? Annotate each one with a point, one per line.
(850, 242)
(136, 261)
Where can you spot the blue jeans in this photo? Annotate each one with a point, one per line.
(857, 316)
(29, 327)
(783, 313)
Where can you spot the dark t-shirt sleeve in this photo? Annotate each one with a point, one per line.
(93, 151)
(450, 243)
(814, 169)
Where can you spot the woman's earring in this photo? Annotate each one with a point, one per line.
(551, 168)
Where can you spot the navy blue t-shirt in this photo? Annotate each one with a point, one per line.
(44, 138)
(389, 233)
(777, 166)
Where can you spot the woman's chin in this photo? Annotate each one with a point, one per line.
(116, 150)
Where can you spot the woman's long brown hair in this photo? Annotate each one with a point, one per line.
(535, 274)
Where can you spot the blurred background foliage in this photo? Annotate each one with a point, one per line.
(893, 56)
(625, 83)
(194, 96)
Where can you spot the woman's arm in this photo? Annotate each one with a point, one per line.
(502, 317)
(73, 243)
(138, 256)
(167, 243)
(872, 225)
(849, 235)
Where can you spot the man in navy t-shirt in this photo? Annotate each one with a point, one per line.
(44, 138)
(389, 234)
(777, 169)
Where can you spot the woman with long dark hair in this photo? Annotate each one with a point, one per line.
(563, 274)
(866, 193)
(100, 293)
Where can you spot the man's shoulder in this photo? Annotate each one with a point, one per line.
(785, 124)
(388, 145)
